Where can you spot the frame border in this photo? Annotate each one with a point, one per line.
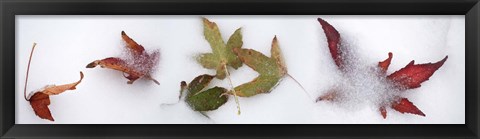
(10, 8)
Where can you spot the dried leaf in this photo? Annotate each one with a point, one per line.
(41, 99)
(39, 102)
(411, 76)
(55, 90)
(141, 65)
(222, 54)
(133, 46)
(207, 100)
(271, 70)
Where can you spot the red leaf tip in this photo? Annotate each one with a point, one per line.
(386, 63)
(333, 39)
(405, 106)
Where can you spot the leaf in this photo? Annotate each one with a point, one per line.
(198, 83)
(329, 96)
(333, 39)
(383, 112)
(411, 76)
(207, 100)
(133, 46)
(405, 106)
(41, 99)
(140, 65)
(117, 64)
(222, 54)
(39, 102)
(271, 70)
(384, 64)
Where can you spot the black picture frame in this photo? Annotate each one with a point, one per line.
(10, 8)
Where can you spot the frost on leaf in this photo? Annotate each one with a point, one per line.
(41, 99)
(222, 54)
(203, 100)
(271, 70)
(138, 63)
(409, 77)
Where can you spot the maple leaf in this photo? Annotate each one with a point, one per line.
(222, 54)
(41, 99)
(139, 64)
(409, 77)
(206, 100)
(271, 70)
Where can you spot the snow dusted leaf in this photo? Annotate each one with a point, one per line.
(408, 77)
(411, 76)
(133, 46)
(333, 39)
(405, 106)
(41, 99)
(222, 54)
(384, 64)
(329, 96)
(271, 70)
(139, 64)
(207, 100)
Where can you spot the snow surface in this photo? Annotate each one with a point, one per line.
(66, 44)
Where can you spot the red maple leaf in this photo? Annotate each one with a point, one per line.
(138, 64)
(409, 77)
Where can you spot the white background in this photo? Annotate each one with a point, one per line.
(66, 44)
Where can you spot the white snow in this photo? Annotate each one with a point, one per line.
(66, 44)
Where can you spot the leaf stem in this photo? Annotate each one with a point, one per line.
(233, 89)
(304, 90)
(28, 69)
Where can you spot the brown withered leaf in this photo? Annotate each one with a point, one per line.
(41, 99)
(140, 64)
